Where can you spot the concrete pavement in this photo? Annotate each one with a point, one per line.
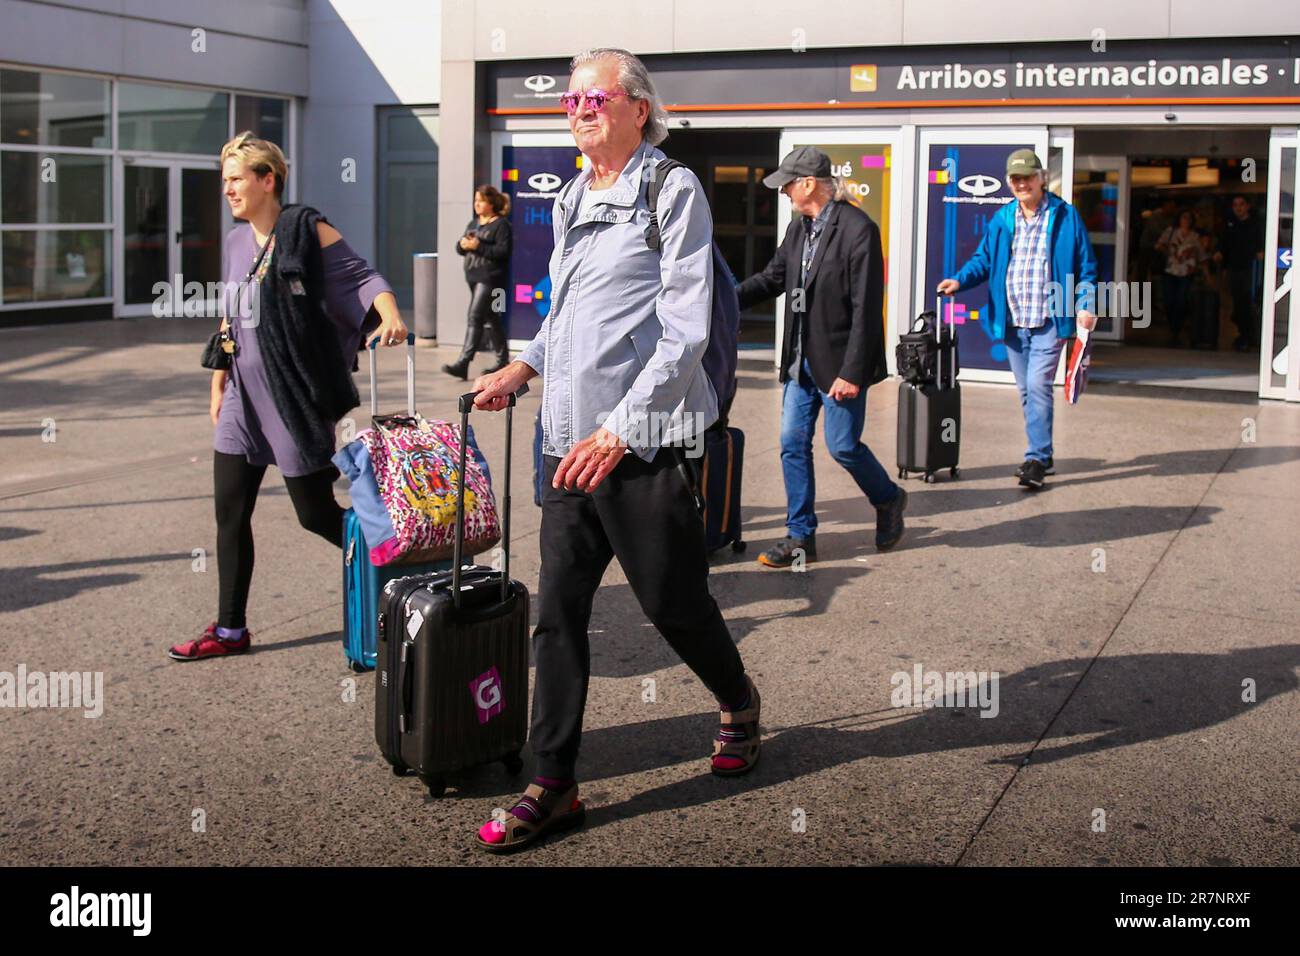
(1127, 610)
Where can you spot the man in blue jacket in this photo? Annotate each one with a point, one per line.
(1042, 274)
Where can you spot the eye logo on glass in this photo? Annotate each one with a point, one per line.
(978, 185)
(544, 182)
(539, 82)
(486, 691)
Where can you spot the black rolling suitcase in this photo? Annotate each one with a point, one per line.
(929, 411)
(452, 677)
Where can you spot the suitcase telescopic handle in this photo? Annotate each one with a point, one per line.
(410, 376)
(952, 335)
(466, 404)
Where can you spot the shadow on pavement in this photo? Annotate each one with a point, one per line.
(323, 638)
(625, 644)
(1067, 529)
(950, 497)
(108, 390)
(1129, 699)
(26, 587)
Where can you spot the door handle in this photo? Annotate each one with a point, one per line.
(179, 236)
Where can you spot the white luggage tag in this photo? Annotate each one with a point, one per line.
(413, 622)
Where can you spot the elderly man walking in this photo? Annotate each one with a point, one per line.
(1030, 250)
(621, 351)
(831, 269)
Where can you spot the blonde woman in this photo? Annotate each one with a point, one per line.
(297, 302)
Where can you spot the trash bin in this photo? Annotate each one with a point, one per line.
(425, 277)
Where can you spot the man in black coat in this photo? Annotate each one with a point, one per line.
(831, 269)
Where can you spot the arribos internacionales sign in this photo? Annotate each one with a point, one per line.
(1151, 75)
(1246, 71)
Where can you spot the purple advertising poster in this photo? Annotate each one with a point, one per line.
(532, 176)
(965, 186)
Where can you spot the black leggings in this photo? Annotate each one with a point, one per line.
(483, 331)
(236, 482)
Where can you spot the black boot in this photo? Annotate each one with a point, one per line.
(458, 369)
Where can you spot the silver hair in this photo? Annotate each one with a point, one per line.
(1042, 176)
(635, 79)
(839, 188)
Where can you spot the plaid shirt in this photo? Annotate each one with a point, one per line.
(1027, 272)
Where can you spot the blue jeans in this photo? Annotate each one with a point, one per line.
(1033, 355)
(800, 402)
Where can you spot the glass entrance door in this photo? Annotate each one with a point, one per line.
(172, 226)
(1279, 371)
(743, 218)
(199, 233)
(146, 225)
(1101, 197)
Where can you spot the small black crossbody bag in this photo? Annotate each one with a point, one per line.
(219, 353)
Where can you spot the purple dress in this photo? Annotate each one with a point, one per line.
(249, 423)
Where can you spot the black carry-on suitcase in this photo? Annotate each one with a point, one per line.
(929, 412)
(452, 675)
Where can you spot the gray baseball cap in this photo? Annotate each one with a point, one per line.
(801, 161)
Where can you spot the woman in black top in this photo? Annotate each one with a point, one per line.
(486, 249)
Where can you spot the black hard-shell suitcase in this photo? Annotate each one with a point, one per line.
(929, 414)
(452, 678)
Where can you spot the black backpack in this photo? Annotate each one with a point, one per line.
(917, 354)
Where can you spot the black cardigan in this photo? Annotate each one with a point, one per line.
(491, 260)
(308, 374)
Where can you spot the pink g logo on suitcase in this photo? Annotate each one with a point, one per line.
(486, 691)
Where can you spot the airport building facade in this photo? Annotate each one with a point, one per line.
(112, 113)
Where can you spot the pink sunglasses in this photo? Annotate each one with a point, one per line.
(596, 99)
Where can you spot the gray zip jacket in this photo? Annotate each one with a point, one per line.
(622, 344)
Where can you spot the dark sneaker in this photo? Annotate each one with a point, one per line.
(457, 371)
(209, 645)
(1048, 469)
(1032, 473)
(783, 553)
(889, 522)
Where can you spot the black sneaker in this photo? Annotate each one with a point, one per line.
(1047, 467)
(783, 553)
(457, 371)
(1032, 473)
(889, 522)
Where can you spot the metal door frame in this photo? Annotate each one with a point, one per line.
(174, 166)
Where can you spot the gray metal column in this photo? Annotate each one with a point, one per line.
(424, 275)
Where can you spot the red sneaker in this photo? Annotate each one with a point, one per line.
(209, 645)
